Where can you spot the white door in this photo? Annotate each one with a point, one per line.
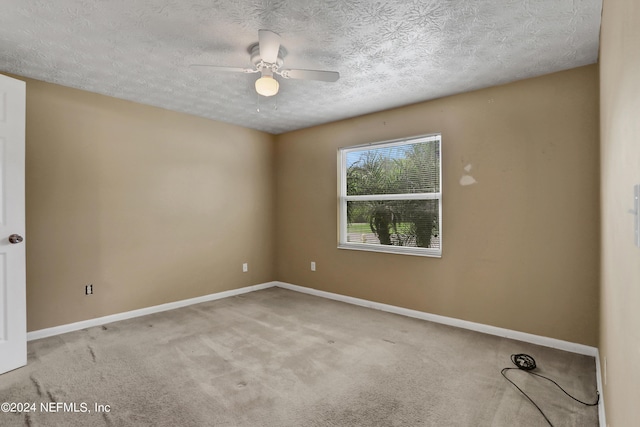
(13, 304)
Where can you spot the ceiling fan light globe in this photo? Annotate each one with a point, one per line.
(267, 86)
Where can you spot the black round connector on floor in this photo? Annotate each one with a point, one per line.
(523, 361)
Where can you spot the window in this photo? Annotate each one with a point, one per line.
(391, 197)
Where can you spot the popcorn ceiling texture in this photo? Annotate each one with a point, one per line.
(389, 53)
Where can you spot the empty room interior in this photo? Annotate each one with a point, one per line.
(200, 252)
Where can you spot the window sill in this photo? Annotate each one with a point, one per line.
(399, 250)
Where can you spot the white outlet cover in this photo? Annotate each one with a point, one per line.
(245, 267)
(636, 213)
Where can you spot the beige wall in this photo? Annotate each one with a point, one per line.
(153, 206)
(148, 205)
(620, 139)
(521, 247)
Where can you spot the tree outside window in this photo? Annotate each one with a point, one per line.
(390, 196)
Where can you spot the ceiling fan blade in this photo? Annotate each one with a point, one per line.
(323, 76)
(269, 46)
(233, 69)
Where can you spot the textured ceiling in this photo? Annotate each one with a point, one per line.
(388, 53)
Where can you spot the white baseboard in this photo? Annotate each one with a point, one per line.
(465, 324)
(70, 327)
(601, 413)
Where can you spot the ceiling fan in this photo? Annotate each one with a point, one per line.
(267, 58)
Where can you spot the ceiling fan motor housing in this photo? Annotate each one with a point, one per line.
(256, 60)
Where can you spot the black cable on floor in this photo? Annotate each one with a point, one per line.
(526, 363)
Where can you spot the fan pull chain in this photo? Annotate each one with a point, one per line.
(275, 103)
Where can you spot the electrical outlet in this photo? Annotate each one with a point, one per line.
(636, 213)
(313, 266)
(245, 267)
(88, 290)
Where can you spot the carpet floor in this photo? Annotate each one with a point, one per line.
(281, 358)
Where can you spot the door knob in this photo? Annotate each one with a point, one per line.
(15, 238)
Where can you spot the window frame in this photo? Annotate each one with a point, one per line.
(343, 198)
